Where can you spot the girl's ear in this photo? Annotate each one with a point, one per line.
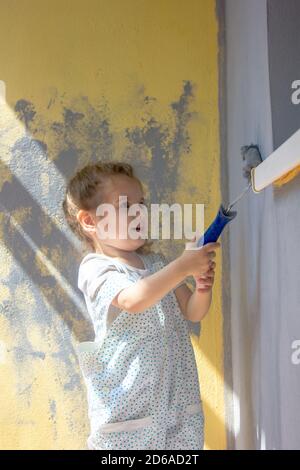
(86, 220)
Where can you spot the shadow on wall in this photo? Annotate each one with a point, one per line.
(32, 189)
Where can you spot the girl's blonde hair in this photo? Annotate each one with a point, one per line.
(80, 194)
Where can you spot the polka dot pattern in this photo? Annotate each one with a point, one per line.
(141, 375)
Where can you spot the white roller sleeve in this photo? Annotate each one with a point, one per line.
(283, 159)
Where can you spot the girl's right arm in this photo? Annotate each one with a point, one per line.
(149, 290)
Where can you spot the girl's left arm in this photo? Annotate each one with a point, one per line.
(195, 305)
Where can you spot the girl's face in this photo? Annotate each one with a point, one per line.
(121, 192)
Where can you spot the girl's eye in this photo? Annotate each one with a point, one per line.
(127, 205)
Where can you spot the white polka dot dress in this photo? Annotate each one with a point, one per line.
(140, 371)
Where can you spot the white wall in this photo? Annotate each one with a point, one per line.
(264, 250)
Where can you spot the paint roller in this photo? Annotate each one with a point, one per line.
(278, 169)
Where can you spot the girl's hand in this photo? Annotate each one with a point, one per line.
(198, 261)
(205, 283)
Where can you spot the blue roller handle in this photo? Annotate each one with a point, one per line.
(215, 229)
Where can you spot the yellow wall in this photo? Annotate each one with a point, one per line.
(85, 79)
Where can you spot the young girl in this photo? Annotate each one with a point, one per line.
(140, 371)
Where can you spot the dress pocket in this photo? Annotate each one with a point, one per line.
(129, 425)
(136, 434)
